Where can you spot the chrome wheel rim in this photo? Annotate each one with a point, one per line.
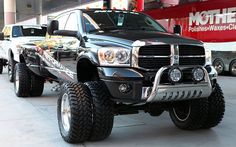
(233, 69)
(182, 112)
(218, 66)
(16, 82)
(9, 71)
(65, 112)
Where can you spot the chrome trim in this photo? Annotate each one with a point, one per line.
(65, 112)
(213, 74)
(154, 56)
(177, 92)
(134, 57)
(192, 56)
(174, 55)
(31, 65)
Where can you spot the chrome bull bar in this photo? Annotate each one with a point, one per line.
(161, 93)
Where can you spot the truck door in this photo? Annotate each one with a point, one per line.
(60, 52)
(67, 51)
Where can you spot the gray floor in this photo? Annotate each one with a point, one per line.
(31, 122)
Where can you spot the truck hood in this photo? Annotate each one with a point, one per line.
(131, 38)
(23, 40)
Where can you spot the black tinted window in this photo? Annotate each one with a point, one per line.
(18, 31)
(104, 19)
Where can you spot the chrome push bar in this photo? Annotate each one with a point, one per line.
(162, 93)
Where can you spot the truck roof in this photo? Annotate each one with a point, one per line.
(34, 25)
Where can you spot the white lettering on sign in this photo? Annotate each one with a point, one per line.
(217, 16)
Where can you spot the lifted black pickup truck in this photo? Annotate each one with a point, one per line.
(119, 62)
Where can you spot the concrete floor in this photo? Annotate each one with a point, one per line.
(32, 122)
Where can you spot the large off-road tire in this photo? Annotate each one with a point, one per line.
(216, 108)
(36, 85)
(219, 66)
(1, 66)
(74, 112)
(232, 68)
(103, 116)
(22, 80)
(189, 115)
(11, 69)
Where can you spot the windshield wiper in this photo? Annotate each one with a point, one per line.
(139, 28)
(106, 28)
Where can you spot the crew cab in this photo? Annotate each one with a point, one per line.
(112, 62)
(11, 37)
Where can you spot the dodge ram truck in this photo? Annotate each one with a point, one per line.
(11, 37)
(113, 62)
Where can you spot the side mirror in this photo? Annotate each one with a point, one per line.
(52, 26)
(52, 29)
(177, 29)
(1, 36)
(66, 33)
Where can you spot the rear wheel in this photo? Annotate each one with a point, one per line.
(232, 68)
(103, 116)
(21, 80)
(189, 115)
(74, 112)
(219, 66)
(11, 68)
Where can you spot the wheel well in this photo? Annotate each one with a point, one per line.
(234, 60)
(218, 59)
(86, 71)
(11, 55)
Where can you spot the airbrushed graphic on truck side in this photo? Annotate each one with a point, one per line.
(55, 65)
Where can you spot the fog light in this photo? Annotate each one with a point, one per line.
(175, 75)
(198, 74)
(124, 88)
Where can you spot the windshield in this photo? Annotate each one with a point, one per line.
(18, 31)
(102, 20)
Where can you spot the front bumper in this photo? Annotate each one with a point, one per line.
(157, 92)
(160, 93)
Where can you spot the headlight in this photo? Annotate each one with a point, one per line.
(114, 56)
(208, 56)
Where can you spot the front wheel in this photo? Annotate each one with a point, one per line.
(21, 80)
(10, 69)
(103, 116)
(189, 115)
(216, 108)
(74, 112)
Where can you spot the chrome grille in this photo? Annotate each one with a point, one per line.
(156, 56)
